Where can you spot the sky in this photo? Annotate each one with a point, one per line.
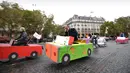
(65, 9)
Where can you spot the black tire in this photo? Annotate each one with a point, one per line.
(34, 54)
(89, 52)
(13, 57)
(66, 59)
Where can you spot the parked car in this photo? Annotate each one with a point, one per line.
(107, 38)
(4, 39)
(112, 38)
(49, 39)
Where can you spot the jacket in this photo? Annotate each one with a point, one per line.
(23, 37)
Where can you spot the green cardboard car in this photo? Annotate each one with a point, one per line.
(66, 53)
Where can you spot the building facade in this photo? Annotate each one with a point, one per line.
(84, 24)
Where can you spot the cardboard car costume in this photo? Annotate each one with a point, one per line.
(61, 52)
(101, 41)
(11, 53)
(122, 40)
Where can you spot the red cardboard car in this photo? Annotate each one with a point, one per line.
(122, 40)
(11, 53)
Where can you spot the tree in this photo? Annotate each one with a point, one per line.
(58, 30)
(48, 26)
(32, 20)
(123, 25)
(111, 28)
(10, 16)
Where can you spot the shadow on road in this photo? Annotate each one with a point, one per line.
(59, 66)
(16, 61)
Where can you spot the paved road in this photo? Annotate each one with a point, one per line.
(115, 58)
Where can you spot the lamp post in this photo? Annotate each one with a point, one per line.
(34, 5)
(91, 22)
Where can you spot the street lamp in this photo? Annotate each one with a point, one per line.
(34, 5)
(91, 22)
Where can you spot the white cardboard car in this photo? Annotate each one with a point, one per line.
(101, 41)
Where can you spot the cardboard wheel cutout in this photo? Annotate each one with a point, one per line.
(89, 52)
(13, 56)
(34, 55)
(66, 59)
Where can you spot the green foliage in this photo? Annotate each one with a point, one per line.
(121, 24)
(110, 26)
(12, 17)
(58, 30)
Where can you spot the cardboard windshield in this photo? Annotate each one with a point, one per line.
(121, 38)
(64, 40)
(36, 35)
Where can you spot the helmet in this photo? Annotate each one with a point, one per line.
(22, 29)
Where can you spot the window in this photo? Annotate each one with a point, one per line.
(81, 24)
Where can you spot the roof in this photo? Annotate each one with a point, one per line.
(88, 18)
(85, 18)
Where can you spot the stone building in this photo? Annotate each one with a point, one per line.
(84, 24)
